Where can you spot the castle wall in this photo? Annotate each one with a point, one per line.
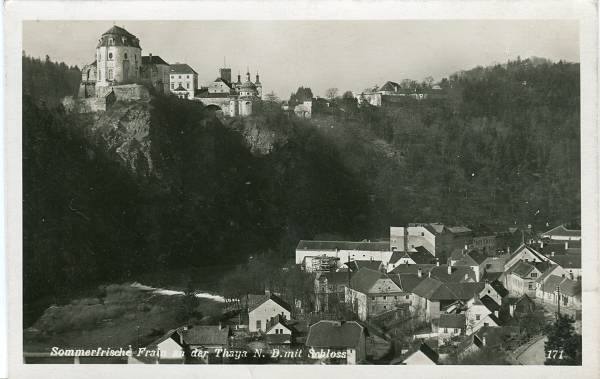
(125, 92)
(88, 105)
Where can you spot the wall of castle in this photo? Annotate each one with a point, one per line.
(88, 105)
(245, 107)
(118, 64)
(125, 92)
(86, 90)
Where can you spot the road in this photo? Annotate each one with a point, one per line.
(534, 354)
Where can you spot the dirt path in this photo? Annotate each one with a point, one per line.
(534, 354)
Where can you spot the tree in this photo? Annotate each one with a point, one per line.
(563, 346)
(302, 94)
(272, 97)
(331, 93)
(428, 81)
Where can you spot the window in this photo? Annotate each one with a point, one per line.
(188, 77)
(125, 55)
(445, 330)
(486, 324)
(187, 85)
(111, 41)
(407, 296)
(530, 286)
(384, 307)
(422, 234)
(110, 56)
(534, 274)
(172, 76)
(385, 297)
(477, 317)
(179, 76)
(373, 298)
(172, 85)
(456, 330)
(124, 41)
(110, 74)
(257, 324)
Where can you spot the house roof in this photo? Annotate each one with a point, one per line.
(491, 276)
(407, 282)
(206, 335)
(522, 269)
(413, 269)
(458, 273)
(257, 301)
(567, 286)
(420, 256)
(119, 36)
(459, 229)
(278, 319)
(499, 287)
(452, 320)
(153, 59)
(328, 333)
(534, 252)
(358, 264)
(171, 334)
(390, 86)
(427, 351)
(490, 303)
(567, 261)
(338, 277)
(516, 300)
(343, 245)
(365, 279)
(181, 68)
(434, 289)
(494, 264)
(221, 80)
(561, 231)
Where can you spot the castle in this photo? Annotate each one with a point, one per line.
(120, 72)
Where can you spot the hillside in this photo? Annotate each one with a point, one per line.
(165, 184)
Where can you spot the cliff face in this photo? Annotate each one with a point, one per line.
(259, 137)
(123, 132)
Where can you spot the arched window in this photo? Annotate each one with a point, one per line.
(111, 41)
(125, 55)
(110, 56)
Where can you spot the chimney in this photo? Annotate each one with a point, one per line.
(552, 254)
(429, 274)
(437, 262)
(420, 273)
(542, 244)
(406, 238)
(268, 292)
(566, 244)
(449, 270)
(239, 79)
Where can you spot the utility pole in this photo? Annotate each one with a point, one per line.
(558, 300)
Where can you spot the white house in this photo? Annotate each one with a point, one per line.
(183, 80)
(561, 233)
(264, 309)
(342, 341)
(344, 251)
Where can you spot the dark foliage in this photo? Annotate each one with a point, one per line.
(563, 346)
(46, 82)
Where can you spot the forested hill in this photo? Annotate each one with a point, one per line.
(504, 147)
(46, 82)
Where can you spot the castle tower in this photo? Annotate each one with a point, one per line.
(225, 74)
(118, 57)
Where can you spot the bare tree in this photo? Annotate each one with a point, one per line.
(331, 93)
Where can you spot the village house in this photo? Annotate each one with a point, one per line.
(183, 80)
(483, 238)
(262, 308)
(481, 313)
(474, 259)
(356, 265)
(279, 331)
(418, 255)
(449, 326)
(569, 263)
(431, 296)
(343, 251)
(337, 341)
(156, 71)
(558, 289)
(372, 292)
(491, 337)
(519, 306)
(423, 355)
(521, 278)
(561, 233)
(525, 253)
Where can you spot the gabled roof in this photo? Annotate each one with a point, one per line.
(274, 321)
(365, 279)
(428, 352)
(459, 229)
(458, 273)
(413, 269)
(420, 256)
(434, 289)
(452, 320)
(522, 269)
(390, 86)
(261, 299)
(182, 68)
(534, 252)
(406, 282)
(206, 335)
(172, 334)
(343, 245)
(567, 286)
(561, 231)
(358, 264)
(153, 59)
(334, 334)
(567, 261)
(490, 303)
(227, 83)
(499, 287)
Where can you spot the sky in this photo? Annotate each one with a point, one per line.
(348, 55)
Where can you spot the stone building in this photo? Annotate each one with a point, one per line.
(156, 71)
(236, 99)
(183, 80)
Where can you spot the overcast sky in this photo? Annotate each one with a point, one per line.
(349, 55)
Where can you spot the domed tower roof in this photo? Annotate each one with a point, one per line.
(248, 85)
(117, 36)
